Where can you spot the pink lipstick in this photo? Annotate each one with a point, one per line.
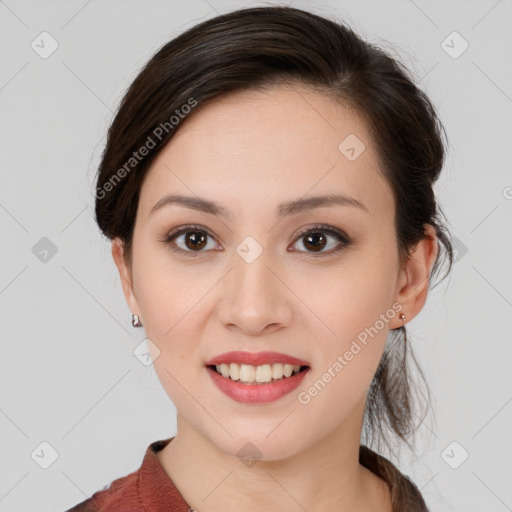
(255, 378)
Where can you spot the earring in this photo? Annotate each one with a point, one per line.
(136, 321)
(403, 318)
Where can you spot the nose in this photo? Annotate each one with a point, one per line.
(254, 299)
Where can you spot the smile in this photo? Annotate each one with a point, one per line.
(249, 374)
(254, 378)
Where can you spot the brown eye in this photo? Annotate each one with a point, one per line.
(315, 239)
(190, 240)
(195, 240)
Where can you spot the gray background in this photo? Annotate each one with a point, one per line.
(68, 375)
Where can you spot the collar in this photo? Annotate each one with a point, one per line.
(156, 490)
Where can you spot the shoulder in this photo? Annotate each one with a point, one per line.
(116, 497)
(147, 488)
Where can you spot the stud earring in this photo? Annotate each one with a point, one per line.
(403, 318)
(136, 321)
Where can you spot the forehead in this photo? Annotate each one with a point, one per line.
(274, 144)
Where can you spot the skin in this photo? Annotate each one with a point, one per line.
(251, 151)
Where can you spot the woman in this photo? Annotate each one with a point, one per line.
(267, 185)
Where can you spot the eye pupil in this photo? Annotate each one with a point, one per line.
(197, 239)
(317, 240)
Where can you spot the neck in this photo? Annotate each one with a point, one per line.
(325, 476)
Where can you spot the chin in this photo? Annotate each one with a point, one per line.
(259, 444)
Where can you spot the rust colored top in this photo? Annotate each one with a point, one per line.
(150, 489)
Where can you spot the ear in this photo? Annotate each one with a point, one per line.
(125, 274)
(414, 277)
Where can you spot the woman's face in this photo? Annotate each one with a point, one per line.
(260, 276)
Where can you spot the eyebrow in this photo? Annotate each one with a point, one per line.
(288, 208)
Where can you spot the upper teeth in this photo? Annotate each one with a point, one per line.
(263, 373)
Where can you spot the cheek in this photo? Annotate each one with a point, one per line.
(354, 303)
(175, 353)
(172, 323)
(356, 309)
(340, 382)
(161, 292)
(170, 302)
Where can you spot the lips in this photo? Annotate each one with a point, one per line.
(264, 390)
(258, 393)
(256, 359)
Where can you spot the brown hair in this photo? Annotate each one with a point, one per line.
(258, 47)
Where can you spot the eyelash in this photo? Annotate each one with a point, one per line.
(323, 228)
